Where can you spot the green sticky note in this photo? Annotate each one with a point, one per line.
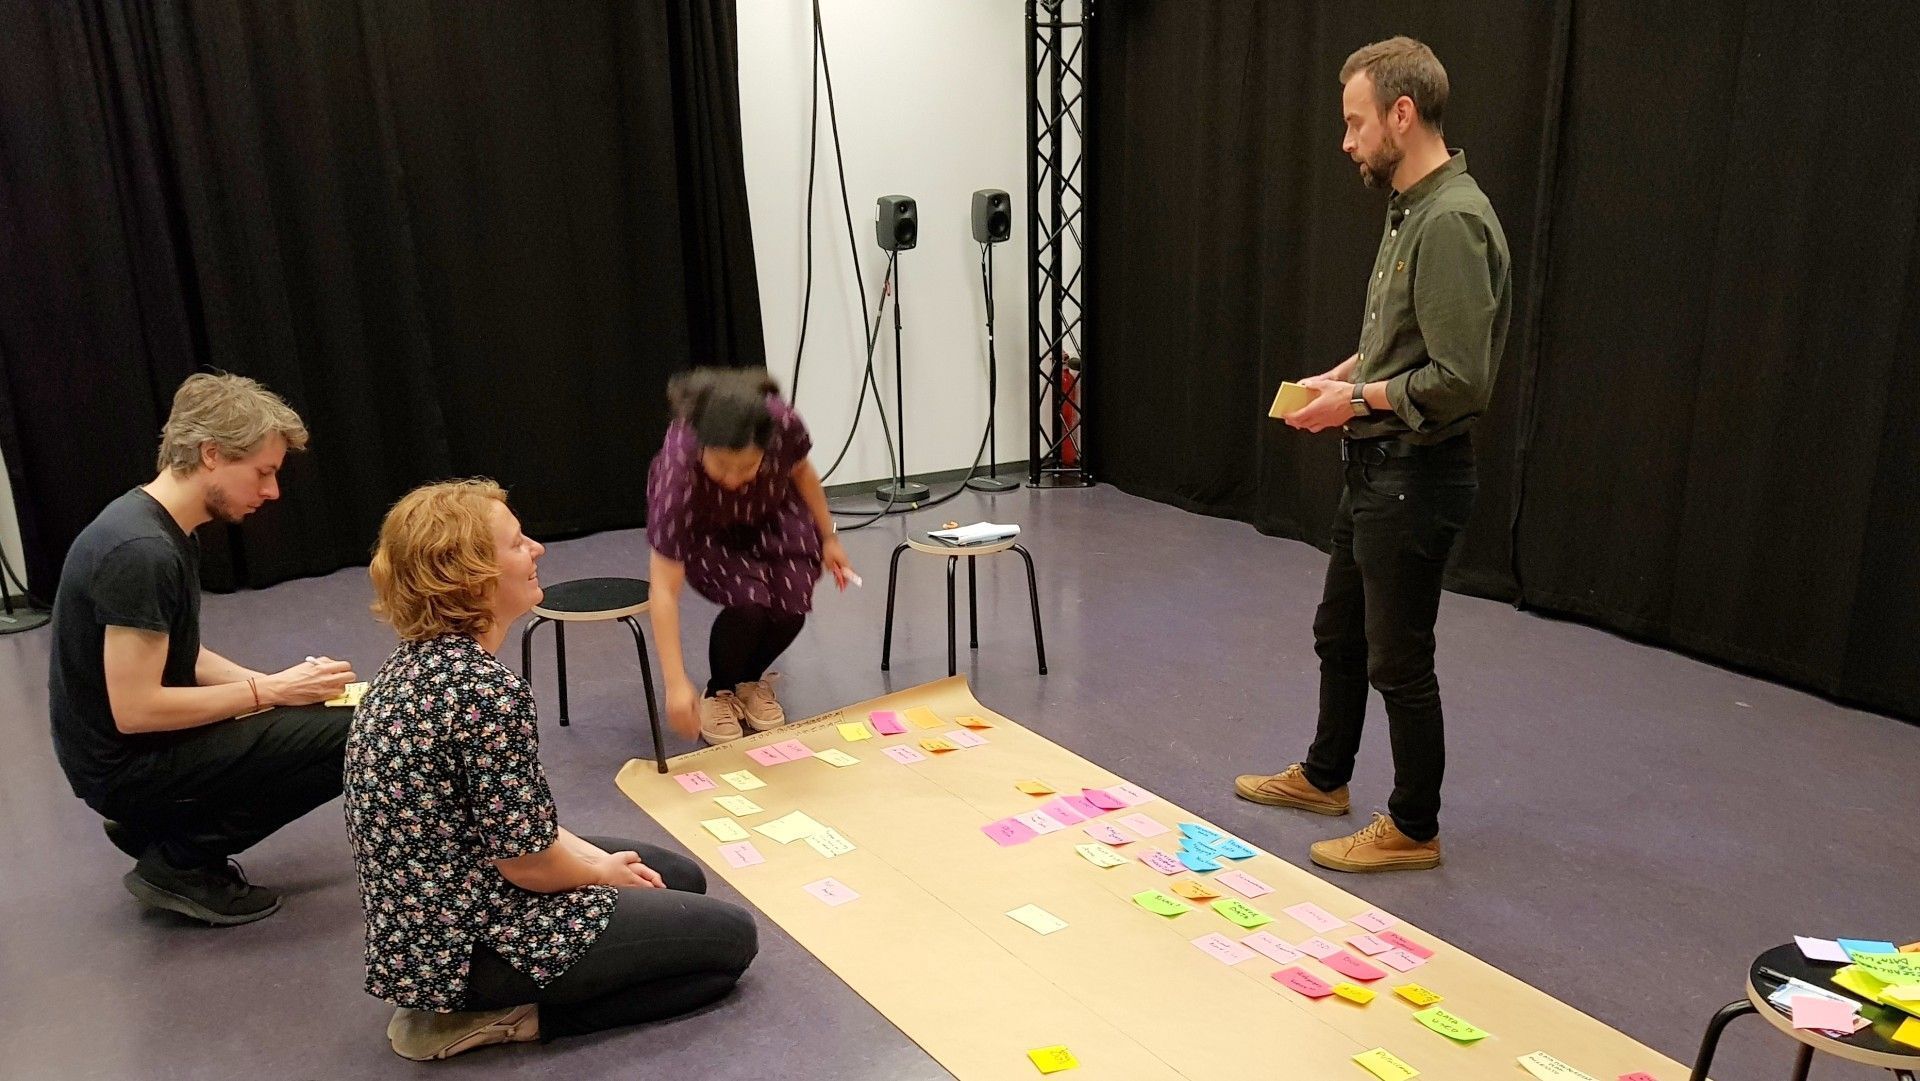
(1449, 1025)
(1242, 913)
(1898, 968)
(1159, 903)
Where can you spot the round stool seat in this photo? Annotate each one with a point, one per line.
(589, 599)
(1871, 1046)
(925, 542)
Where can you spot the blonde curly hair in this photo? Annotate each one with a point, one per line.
(435, 566)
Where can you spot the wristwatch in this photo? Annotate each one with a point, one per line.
(1360, 406)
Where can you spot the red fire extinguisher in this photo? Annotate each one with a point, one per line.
(1070, 410)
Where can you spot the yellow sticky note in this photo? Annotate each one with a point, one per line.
(1053, 1059)
(855, 731)
(937, 746)
(790, 827)
(829, 842)
(724, 829)
(1039, 919)
(1187, 887)
(743, 779)
(1385, 1065)
(350, 695)
(1449, 1025)
(1855, 979)
(1547, 1068)
(973, 722)
(834, 756)
(1908, 1033)
(922, 717)
(1352, 993)
(738, 806)
(1101, 856)
(1416, 994)
(1034, 788)
(1291, 398)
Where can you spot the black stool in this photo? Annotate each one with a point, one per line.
(1871, 1046)
(925, 544)
(593, 600)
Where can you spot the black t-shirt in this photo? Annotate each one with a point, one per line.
(132, 567)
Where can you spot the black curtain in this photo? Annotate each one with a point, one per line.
(1702, 433)
(459, 238)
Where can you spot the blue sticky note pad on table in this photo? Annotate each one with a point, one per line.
(1197, 860)
(1233, 849)
(1858, 946)
(1198, 832)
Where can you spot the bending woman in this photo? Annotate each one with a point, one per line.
(487, 922)
(735, 510)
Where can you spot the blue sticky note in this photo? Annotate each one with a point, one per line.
(1857, 946)
(1198, 832)
(1197, 860)
(1233, 849)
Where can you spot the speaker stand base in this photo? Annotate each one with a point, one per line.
(23, 619)
(992, 484)
(911, 492)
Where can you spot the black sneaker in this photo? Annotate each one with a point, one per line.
(220, 896)
(126, 838)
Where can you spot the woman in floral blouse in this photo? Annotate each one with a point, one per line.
(486, 921)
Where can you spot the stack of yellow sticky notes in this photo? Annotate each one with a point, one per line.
(1891, 979)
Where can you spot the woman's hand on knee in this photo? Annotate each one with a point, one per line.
(625, 870)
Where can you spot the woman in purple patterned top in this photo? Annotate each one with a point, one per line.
(735, 510)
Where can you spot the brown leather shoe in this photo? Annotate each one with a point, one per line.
(1290, 788)
(423, 1035)
(1378, 847)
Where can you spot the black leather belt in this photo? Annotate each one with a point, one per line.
(1377, 451)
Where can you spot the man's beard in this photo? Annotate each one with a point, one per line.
(1377, 171)
(220, 507)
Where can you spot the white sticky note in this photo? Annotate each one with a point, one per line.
(1038, 918)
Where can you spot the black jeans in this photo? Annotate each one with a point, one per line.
(203, 794)
(1397, 522)
(663, 953)
(744, 644)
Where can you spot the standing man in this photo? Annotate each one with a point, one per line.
(189, 756)
(1430, 342)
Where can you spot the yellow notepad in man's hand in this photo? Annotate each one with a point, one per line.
(1291, 398)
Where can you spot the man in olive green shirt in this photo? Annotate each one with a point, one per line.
(1438, 302)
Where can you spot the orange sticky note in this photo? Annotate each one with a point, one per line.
(922, 717)
(937, 746)
(1053, 1059)
(1034, 788)
(1187, 887)
(1911, 947)
(973, 722)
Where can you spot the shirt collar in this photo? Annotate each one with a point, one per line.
(1414, 196)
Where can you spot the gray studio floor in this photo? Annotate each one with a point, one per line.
(1625, 828)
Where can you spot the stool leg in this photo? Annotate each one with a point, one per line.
(1903, 1075)
(953, 666)
(560, 663)
(526, 648)
(1711, 1041)
(1033, 596)
(1804, 1063)
(973, 604)
(646, 674)
(893, 579)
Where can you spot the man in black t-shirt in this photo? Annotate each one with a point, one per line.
(189, 756)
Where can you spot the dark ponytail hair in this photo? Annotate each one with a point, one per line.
(726, 407)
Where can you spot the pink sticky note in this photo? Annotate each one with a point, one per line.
(1318, 948)
(1102, 799)
(695, 781)
(1063, 812)
(1316, 918)
(1374, 920)
(1351, 967)
(1041, 822)
(1107, 833)
(886, 722)
(1400, 960)
(960, 737)
(741, 854)
(1223, 949)
(1407, 944)
(794, 750)
(831, 891)
(1368, 944)
(1162, 862)
(1822, 949)
(1086, 807)
(906, 756)
(1009, 831)
(1813, 1011)
(1273, 946)
(767, 756)
(1305, 982)
(1638, 1076)
(1241, 882)
(1142, 825)
(1131, 795)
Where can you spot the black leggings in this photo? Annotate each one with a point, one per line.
(744, 644)
(663, 953)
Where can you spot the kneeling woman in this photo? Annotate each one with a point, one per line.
(735, 510)
(487, 922)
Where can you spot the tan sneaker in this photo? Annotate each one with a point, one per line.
(720, 718)
(758, 707)
(1290, 788)
(1379, 847)
(423, 1035)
